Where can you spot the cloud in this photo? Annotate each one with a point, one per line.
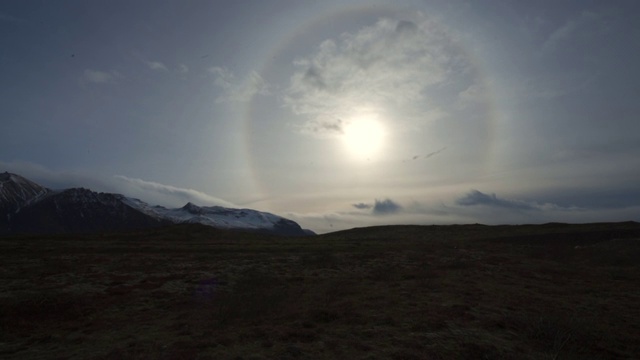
(151, 192)
(183, 69)
(567, 30)
(100, 77)
(385, 207)
(238, 90)
(431, 154)
(54, 179)
(413, 213)
(435, 152)
(325, 127)
(156, 65)
(388, 68)
(380, 207)
(362, 206)
(168, 194)
(473, 95)
(436, 213)
(490, 209)
(475, 197)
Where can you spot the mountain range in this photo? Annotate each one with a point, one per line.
(29, 208)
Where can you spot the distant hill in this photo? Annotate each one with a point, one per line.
(29, 208)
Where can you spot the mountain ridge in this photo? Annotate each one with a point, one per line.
(27, 207)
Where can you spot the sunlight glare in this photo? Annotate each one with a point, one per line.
(364, 137)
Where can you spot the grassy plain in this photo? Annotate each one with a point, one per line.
(551, 291)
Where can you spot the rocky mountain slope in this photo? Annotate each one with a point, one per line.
(26, 207)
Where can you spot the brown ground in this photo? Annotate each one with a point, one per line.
(400, 292)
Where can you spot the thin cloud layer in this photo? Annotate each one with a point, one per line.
(387, 68)
(151, 192)
(478, 198)
(532, 100)
(431, 154)
(565, 32)
(475, 197)
(449, 212)
(472, 207)
(100, 77)
(56, 180)
(238, 90)
(157, 65)
(167, 194)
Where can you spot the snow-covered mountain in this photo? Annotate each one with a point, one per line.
(26, 207)
(17, 192)
(80, 210)
(222, 218)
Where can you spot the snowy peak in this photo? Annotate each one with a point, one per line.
(86, 197)
(192, 208)
(26, 207)
(17, 192)
(223, 218)
(78, 210)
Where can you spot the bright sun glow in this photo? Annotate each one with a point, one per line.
(363, 137)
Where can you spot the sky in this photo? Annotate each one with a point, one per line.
(335, 114)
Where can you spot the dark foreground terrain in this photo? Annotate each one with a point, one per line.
(401, 292)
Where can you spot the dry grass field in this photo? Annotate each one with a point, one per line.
(551, 291)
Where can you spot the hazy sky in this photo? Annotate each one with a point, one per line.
(336, 114)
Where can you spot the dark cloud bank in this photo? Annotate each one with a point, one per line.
(475, 197)
(380, 207)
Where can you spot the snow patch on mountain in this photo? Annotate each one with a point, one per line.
(28, 207)
(216, 216)
(17, 192)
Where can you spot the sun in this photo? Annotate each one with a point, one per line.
(363, 137)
